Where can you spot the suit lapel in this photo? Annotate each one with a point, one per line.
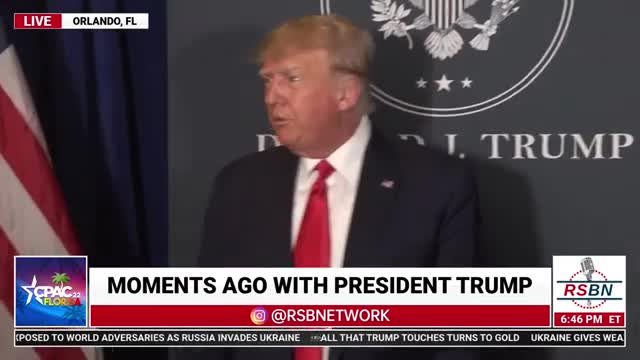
(379, 183)
(279, 187)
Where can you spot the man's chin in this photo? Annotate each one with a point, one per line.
(293, 144)
(286, 139)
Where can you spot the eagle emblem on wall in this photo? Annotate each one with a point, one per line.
(443, 19)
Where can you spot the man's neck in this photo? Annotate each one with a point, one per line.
(346, 132)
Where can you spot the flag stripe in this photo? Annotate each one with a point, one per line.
(447, 14)
(7, 295)
(13, 82)
(22, 221)
(7, 290)
(33, 218)
(26, 158)
(7, 349)
(440, 14)
(60, 353)
(452, 11)
(90, 353)
(457, 10)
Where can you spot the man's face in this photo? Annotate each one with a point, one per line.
(299, 94)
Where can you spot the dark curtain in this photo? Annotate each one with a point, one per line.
(101, 96)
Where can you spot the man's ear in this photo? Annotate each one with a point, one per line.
(348, 92)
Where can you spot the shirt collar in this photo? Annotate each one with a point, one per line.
(348, 157)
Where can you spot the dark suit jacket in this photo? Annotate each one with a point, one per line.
(426, 219)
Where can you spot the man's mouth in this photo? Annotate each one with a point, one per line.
(279, 121)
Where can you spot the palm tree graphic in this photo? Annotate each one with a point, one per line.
(60, 279)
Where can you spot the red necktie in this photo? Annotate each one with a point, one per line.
(313, 246)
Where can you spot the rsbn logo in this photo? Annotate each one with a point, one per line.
(588, 287)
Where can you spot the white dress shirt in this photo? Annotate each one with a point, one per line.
(342, 187)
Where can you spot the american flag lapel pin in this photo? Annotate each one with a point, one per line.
(387, 184)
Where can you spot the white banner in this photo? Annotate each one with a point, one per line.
(320, 286)
(105, 21)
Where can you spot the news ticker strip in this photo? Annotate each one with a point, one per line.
(333, 338)
(104, 21)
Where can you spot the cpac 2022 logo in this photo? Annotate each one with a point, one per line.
(50, 291)
(58, 295)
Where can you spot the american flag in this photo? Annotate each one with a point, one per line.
(33, 218)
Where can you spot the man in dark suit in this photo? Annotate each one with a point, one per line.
(337, 192)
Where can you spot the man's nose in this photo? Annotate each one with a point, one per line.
(273, 94)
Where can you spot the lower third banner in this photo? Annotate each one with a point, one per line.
(352, 338)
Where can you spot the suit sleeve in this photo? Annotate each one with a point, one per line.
(214, 230)
(458, 232)
(211, 254)
(457, 240)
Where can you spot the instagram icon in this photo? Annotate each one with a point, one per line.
(259, 315)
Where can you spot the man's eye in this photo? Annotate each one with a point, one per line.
(293, 78)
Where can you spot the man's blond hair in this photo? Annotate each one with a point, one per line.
(351, 49)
